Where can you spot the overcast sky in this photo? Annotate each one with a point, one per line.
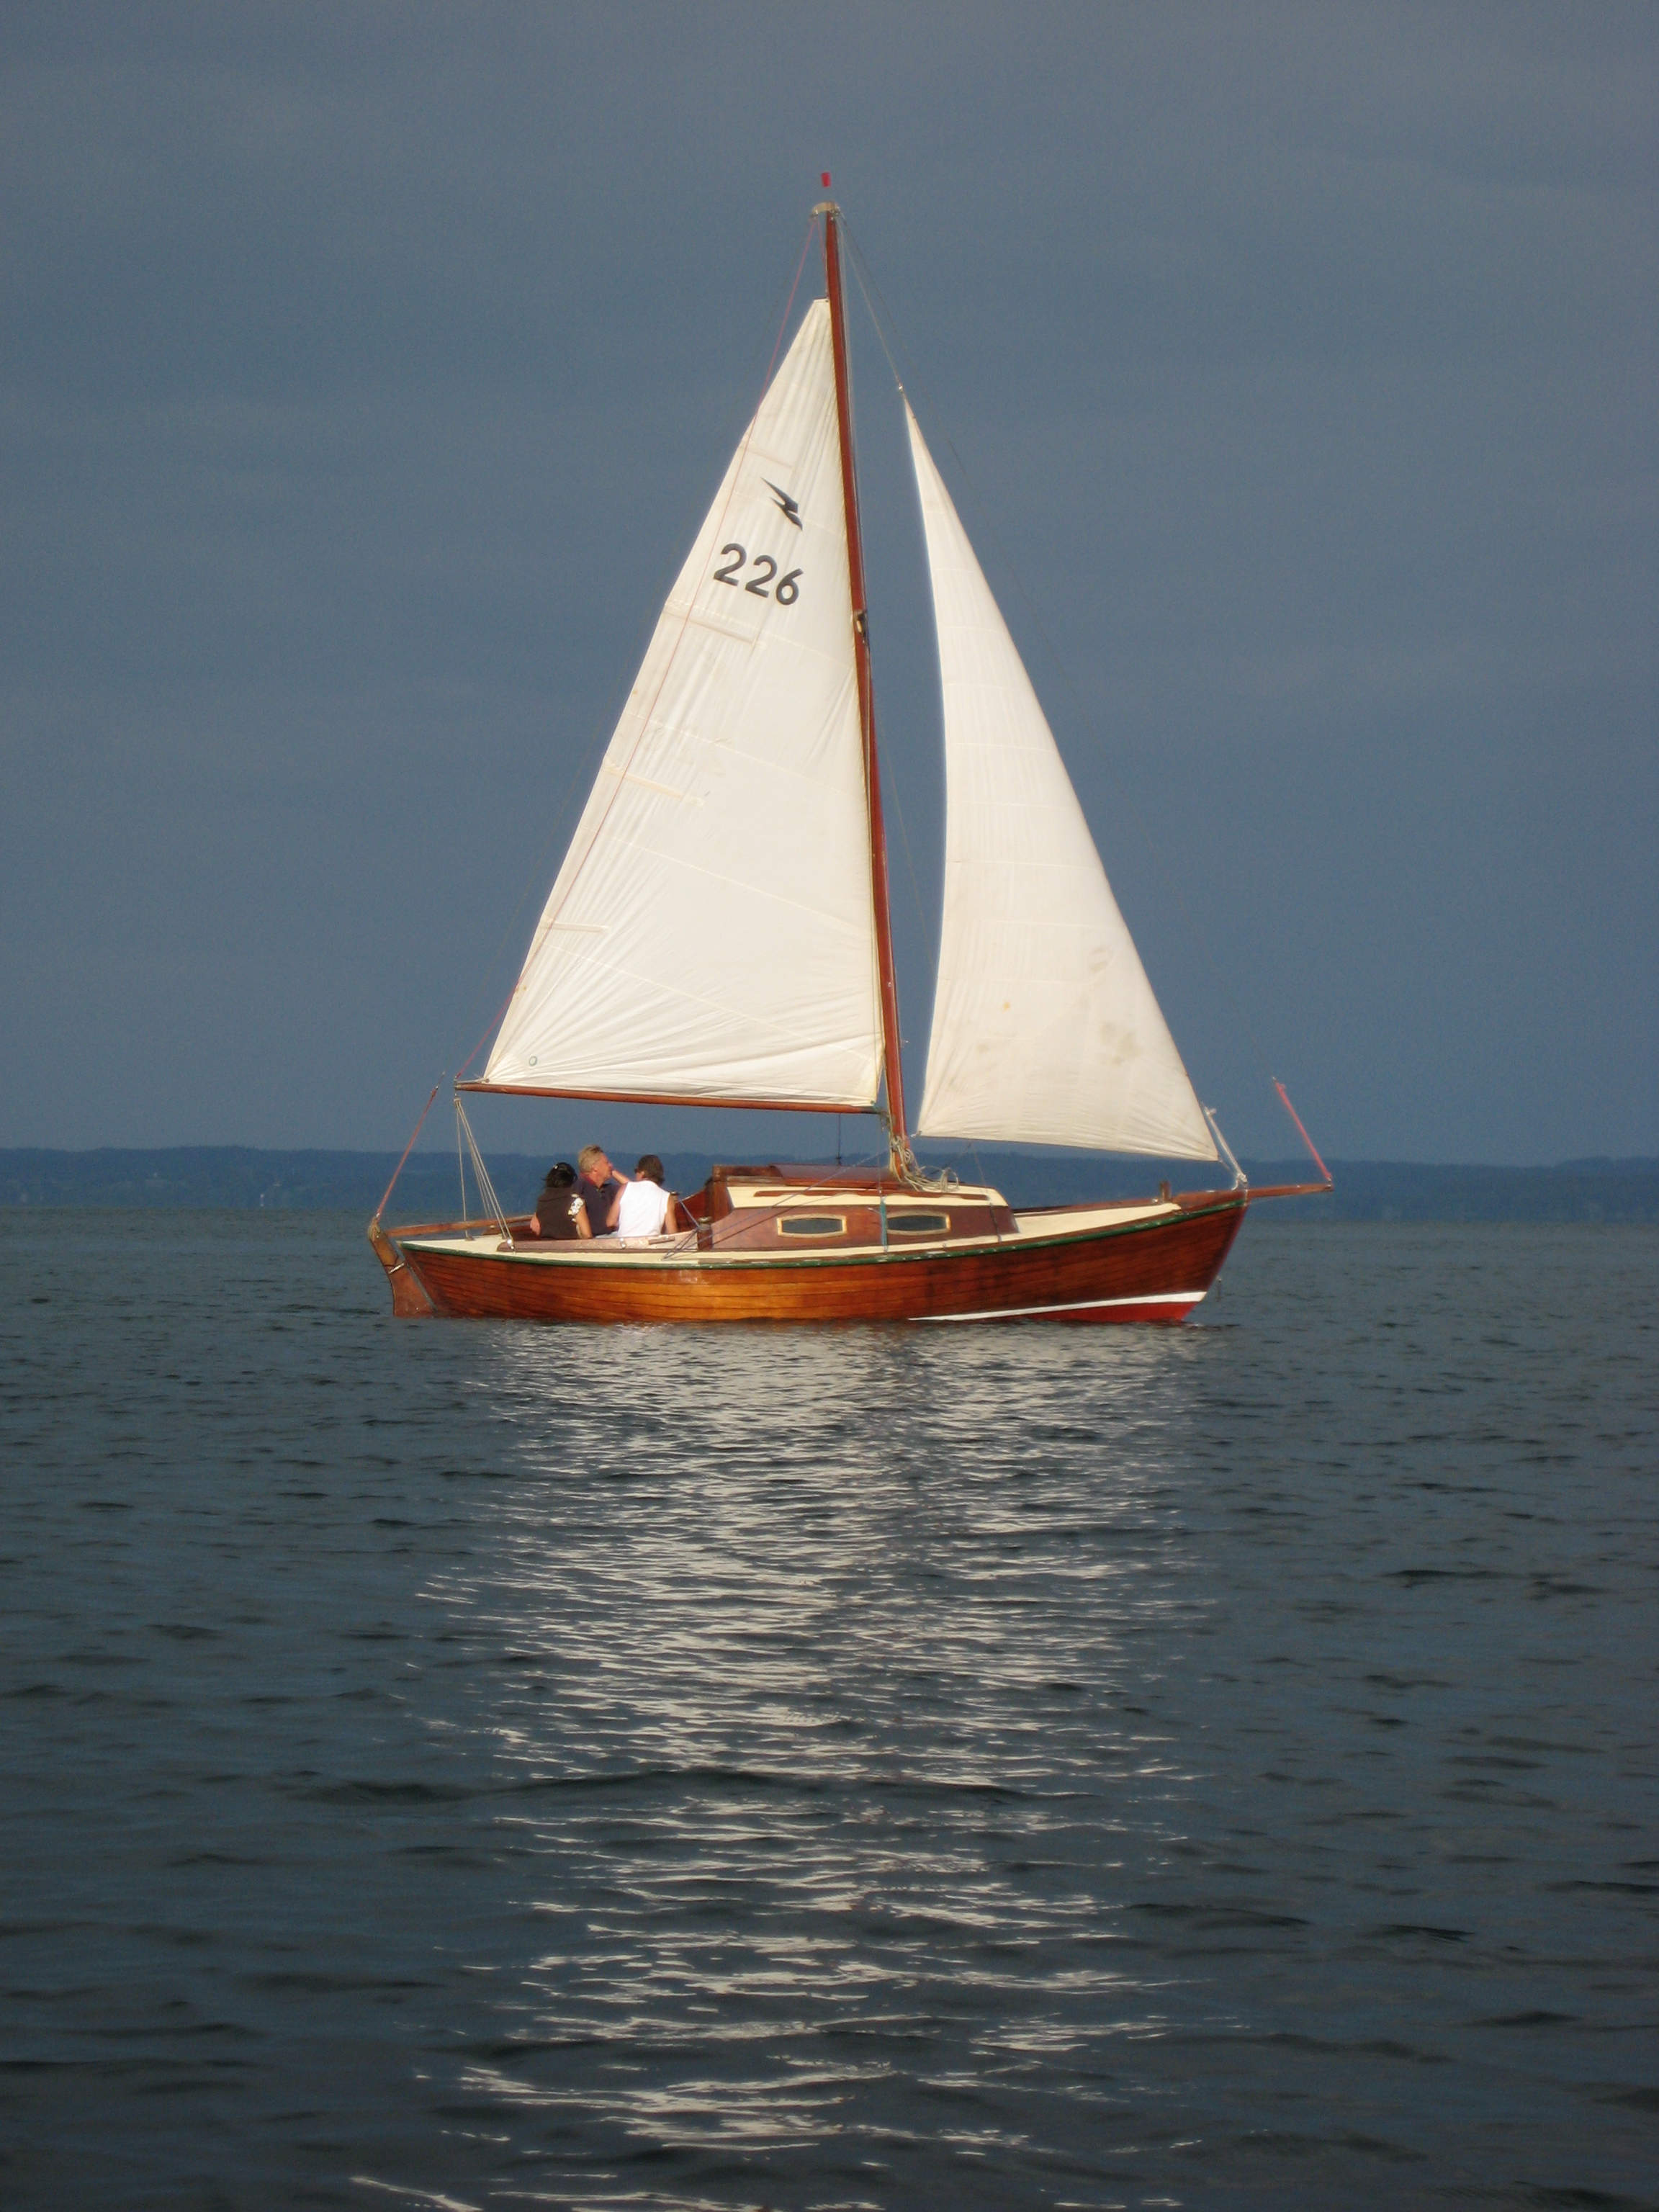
(366, 371)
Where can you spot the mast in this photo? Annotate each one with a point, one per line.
(897, 1139)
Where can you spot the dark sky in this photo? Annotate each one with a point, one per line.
(366, 371)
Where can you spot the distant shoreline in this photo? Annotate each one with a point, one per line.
(194, 1176)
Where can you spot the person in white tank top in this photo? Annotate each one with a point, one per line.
(644, 1208)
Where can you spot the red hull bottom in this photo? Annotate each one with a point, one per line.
(1126, 1265)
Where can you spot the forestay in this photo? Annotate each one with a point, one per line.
(1045, 1027)
(710, 934)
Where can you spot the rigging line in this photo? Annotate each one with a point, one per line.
(789, 305)
(984, 1180)
(485, 1186)
(1285, 1097)
(860, 269)
(611, 713)
(408, 1149)
(460, 1162)
(892, 775)
(479, 1047)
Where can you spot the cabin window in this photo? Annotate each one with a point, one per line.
(813, 1224)
(918, 1225)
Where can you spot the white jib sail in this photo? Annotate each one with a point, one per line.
(1045, 1027)
(710, 934)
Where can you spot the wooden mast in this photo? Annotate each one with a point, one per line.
(898, 1138)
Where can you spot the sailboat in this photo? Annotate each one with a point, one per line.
(718, 935)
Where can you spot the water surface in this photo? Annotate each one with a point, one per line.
(472, 1765)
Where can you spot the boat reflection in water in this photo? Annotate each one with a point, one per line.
(826, 1664)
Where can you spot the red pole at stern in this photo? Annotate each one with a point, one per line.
(1285, 1096)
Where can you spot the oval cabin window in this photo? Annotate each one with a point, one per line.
(812, 1224)
(918, 1225)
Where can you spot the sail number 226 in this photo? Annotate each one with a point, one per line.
(788, 587)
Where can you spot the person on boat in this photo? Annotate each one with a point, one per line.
(560, 1213)
(601, 1187)
(644, 1208)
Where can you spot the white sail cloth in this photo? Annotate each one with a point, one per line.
(1045, 1027)
(710, 933)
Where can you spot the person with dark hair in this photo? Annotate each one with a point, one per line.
(644, 1208)
(560, 1213)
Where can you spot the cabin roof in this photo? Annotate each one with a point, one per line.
(784, 1183)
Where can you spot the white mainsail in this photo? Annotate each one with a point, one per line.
(1045, 1027)
(711, 934)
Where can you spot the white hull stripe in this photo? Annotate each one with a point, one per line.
(1075, 1305)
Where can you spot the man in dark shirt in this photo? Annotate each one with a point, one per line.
(600, 1187)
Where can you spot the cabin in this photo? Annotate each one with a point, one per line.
(778, 1210)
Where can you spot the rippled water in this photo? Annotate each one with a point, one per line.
(465, 1765)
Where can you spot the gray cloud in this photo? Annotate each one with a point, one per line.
(363, 372)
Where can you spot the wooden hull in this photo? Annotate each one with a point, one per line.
(1105, 1264)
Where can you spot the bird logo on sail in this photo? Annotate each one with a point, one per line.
(790, 507)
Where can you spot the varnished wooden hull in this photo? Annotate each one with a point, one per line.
(1150, 1267)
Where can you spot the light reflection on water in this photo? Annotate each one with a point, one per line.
(863, 1662)
(838, 1556)
(492, 1764)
